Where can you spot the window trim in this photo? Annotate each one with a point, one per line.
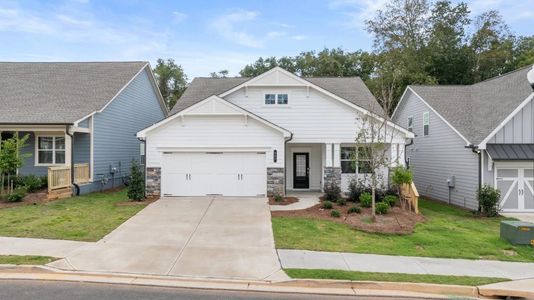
(265, 99)
(410, 126)
(427, 114)
(356, 159)
(36, 146)
(276, 104)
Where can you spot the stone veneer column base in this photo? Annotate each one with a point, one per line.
(275, 181)
(153, 181)
(332, 174)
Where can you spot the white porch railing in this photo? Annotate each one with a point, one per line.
(60, 177)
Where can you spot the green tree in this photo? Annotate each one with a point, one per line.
(10, 156)
(220, 74)
(524, 51)
(136, 187)
(171, 80)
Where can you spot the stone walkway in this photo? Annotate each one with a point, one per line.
(38, 247)
(306, 200)
(303, 259)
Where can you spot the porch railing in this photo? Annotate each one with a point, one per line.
(59, 177)
(410, 195)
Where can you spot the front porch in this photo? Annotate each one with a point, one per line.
(50, 151)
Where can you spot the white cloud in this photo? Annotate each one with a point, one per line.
(225, 26)
(300, 37)
(357, 11)
(179, 16)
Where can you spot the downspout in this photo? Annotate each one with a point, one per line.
(285, 162)
(479, 152)
(75, 186)
(406, 162)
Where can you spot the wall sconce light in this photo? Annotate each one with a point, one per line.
(275, 155)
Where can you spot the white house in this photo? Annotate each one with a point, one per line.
(262, 135)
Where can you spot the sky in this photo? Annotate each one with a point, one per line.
(203, 36)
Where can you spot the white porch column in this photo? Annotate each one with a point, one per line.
(328, 154)
(68, 150)
(337, 156)
(394, 155)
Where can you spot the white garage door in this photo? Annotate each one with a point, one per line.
(517, 188)
(217, 173)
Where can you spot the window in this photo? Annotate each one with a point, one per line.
(355, 160)
(270, 98)
(282, 98)
(410, 124)
(426, 123)
(50, 150)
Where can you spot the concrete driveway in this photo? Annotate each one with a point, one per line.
(216, 237)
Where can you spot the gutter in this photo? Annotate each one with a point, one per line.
(285, 162)
(406, 162)
(75, 186)
(477, 151)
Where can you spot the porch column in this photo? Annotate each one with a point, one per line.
(328, 154)
(68, 150)
(332, 167)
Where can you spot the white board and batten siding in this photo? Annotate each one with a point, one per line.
(439, 155)
(519, 129)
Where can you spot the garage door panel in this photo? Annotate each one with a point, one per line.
(509, 194)
(254, 184)
(517, 188)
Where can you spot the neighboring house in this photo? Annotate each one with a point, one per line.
(472, 135)
(262, 135)
(85, 113)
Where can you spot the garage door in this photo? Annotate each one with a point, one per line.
(517, 189)
(215, 173)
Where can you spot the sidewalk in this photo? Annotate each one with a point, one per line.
(303, 259)
(39, 247)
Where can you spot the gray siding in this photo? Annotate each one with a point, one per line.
(519, 130)
(29, 162)
(441, 154)
(487, 176)
(84, 123)
(115, 128)
(82, 148)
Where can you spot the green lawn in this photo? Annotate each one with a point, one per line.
(25, 260)
(84, 218)
(395, 277)
(448, 232)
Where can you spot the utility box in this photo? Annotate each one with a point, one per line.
(518, 232)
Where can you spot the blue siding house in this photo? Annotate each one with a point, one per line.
(84, 115)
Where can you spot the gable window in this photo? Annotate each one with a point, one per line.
(410, 124)
(282, 98)
(270, 98)
(355, 160)
(426, 123)
(50, 150)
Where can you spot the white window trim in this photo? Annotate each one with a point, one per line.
(410, 126)
(36, 154)
(357, 160)
(276, 99)
(427, 122)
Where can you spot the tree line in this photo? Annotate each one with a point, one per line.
(414, 42)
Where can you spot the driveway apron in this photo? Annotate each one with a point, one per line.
(213, 237)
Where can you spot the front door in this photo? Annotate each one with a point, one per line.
(301, 170)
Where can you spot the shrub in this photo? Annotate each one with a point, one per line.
(278, 198)
(332, 191)
(335, 213)
(401, 175)
(136, 188)
(327, 205)
(488, 198)
(382, 208)
(341, 202)
(355, 189)
(17, 195)
(32, 183)
(366, 199)
(390, 200)
(44, 181)
(354, 210)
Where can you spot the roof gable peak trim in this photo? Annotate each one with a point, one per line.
(434, 111)
(182, 113)
(482, 144)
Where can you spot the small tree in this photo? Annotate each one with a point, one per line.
(401, 176)
(136, 188)
(10, 157)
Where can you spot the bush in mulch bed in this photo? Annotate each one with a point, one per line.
(283, 201)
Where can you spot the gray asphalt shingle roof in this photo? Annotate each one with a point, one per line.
(476, 110)
(352, 89)
(59, 92)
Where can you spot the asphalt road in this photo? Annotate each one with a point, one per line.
(53, 290)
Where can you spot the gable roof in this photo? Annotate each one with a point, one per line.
(352, 89)
(60, 92)
(476, 110)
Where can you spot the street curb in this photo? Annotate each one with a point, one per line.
(298, 286)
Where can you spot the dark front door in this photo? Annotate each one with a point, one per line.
(301, 170)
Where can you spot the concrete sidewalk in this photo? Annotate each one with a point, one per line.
(302, 259)
(38, 247)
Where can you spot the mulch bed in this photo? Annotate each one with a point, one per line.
(145, 201)
(40, 196)
(397, 221)
(286, 201)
